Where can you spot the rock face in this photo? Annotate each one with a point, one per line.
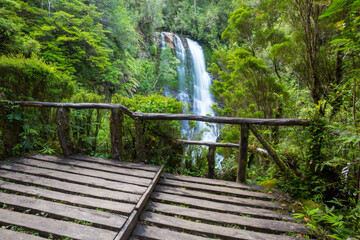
(169, 39)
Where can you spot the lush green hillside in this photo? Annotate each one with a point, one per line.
(268, 59)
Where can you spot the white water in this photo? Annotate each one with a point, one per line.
(194, 67)
(183, 94)
(202, 100)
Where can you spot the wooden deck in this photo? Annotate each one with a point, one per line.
(92, 198)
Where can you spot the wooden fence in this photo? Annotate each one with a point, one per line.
(117, 132)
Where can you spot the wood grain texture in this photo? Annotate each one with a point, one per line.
(163, 234)
(104, 219)
(70, 187)
(221, 198)
(215, 189)
(118, 168)
(226, 218)
(215, 182)
(119, 207)
(58, 227)
(117, 163)
(219, 207)
(84, 171)
(97, 182)
(12, 235)
(209, 229)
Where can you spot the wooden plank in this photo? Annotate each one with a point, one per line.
(125, 232)
(243, 152)
(211, 161)
(98, 182)
(104, 219)
(64, 131)
(215, 182)
(117, 163)
(221, 198)
(94, 165)
(221, 207)
(12, 235)
(118, 207)
(208, 229)
(145, 197)
(150, 232)
(225, 218)
(70, 187)
(117, 132)
(57, 227)
(221, 190)
(214, 144)
(83, 171)
(130, 224)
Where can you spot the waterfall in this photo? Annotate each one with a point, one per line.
(202, 100)
(183, 92)
(197, 94)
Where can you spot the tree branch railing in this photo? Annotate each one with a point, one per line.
(116, 130)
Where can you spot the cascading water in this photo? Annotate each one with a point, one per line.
(183, 93)
(202, 100)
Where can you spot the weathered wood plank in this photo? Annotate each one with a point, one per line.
(94, 165)
(215, 182)
(70, 187)
(208, 229)
(203, 187)
(83, 171)
(133, 219)
(226, 218)
(163, 234)
(118, 207)
(114, 221)
(12, 235)
(216, 206)
(221, 198)
(165, 116)
(98, 182)
(130, 224)
(117, 163)
(58, 227)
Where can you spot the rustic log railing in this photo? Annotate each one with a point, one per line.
(116, 129)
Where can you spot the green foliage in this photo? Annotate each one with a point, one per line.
(33, 79)
(342, 219)
(161, 149)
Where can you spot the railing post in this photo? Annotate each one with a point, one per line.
(64, 131)
(241, 172)
(117, 132)
(211, 161)
(140, 152)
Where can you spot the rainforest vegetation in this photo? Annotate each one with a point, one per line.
(268, 59)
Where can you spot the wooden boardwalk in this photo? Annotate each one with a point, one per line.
(92, 198)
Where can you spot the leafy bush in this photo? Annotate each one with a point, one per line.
(160, 147)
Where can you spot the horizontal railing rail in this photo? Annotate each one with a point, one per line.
(116, 131)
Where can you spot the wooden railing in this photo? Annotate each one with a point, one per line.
(117, 132)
